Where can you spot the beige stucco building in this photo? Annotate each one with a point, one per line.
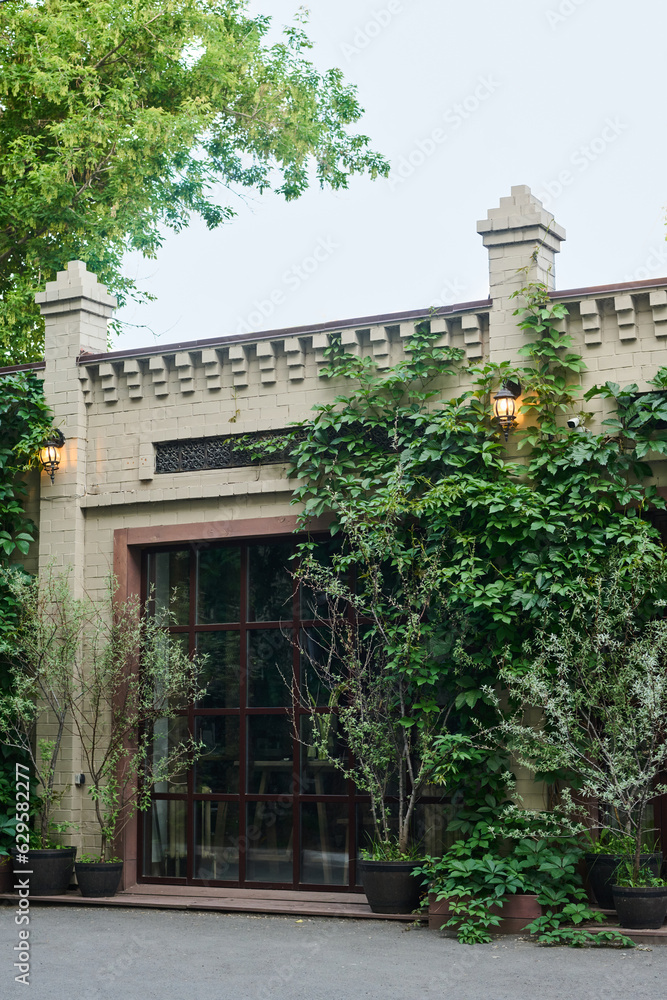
(151, 488)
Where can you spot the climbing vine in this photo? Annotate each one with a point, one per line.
(25, 421)
(400, 446)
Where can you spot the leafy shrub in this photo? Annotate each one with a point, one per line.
(523, 852)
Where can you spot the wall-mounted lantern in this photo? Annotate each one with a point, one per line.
(504, 406)
(50, 452)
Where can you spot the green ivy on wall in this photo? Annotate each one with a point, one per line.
(25, 422)
(509, 536)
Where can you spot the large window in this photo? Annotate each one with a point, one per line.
(258, 808)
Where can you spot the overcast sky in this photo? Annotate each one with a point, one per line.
(466, 98)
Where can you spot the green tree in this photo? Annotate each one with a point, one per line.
(120, 120)
(599, 681)
(74, 661)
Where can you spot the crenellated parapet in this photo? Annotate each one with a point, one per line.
(209, 368)
(118, 408)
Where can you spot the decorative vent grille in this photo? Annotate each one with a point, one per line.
(200, 454)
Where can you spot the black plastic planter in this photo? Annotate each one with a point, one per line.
(6, 874)
(390, 886)
(98, 878)
(602, 870)
(640, 908)
(49, 871)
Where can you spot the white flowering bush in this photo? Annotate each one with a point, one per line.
(599, 680)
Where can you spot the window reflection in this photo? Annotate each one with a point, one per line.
(218, 586)
(222, 670)
(168, 733)
(270, 754)
(217, 841)
(270, 655)
(217, 770)
(165, 840)
(325, 843)
(321, 744)
(269, 838)
(170, 579)
(270, 585)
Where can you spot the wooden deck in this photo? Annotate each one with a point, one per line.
(181, 897)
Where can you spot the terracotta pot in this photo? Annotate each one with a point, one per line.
(517, 912)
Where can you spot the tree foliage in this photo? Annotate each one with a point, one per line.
(25, 422)
(76, 661)
(120, 120)
(509, 536)
(599, 680)
(371, 650)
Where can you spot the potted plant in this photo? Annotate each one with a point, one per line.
(79, 659)
(129, 679)
(598, 675)
(369, 661)
(38, 653)
(606, 854)
(640, 897)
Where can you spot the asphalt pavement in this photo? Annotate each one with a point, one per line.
(140, 954)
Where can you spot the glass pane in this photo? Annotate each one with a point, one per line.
(168, 733)
(219, 586)
(325, 843)
(314, 602)
(270, 654)
(270, 765)
(319, 776)
(218, 769)
(168, 647)
(170, 578)
(366, 834)
(222, 671)
(431, 823)
(217, 841)
(429, 828)
(165, 840)
(270, 585)
(269, 842)
(319, 670)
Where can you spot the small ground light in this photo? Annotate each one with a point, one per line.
(50, 452)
